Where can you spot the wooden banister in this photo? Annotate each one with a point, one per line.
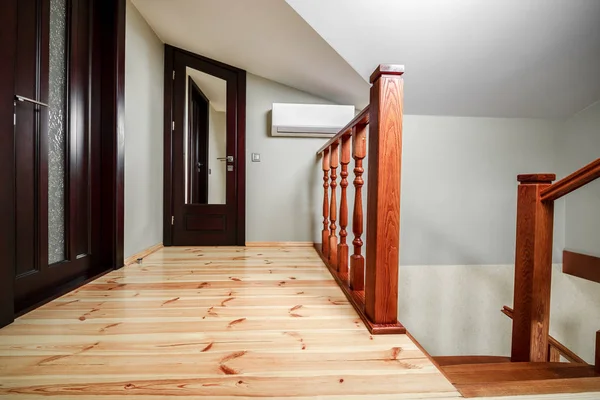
(556, 346)
(362, 118)
(370, 283)
(533, 270)
(572, 182)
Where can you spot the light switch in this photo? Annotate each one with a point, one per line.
(255, 157)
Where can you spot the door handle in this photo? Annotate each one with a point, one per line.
(228, 159)
(28, 100)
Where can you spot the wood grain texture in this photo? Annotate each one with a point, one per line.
(383, 206)
(553, 354)
(386, 69)
(143, 254)
(333, 240)
(563, 350)
(345, 150)
(222, 323)
(357, 300)
(362, 118)
(572, 182)
(357, 261)
(581, 265)
(533, 273)
(325, 232)
(8, 50)
(465, 360)
(279, 244)
(522, 378)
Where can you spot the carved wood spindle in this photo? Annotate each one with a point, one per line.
(334, 153)
(533, 270)
(325, 232)
(343, 246)
(383, 206)
(357, 261)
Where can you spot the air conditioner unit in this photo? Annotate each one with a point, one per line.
(309, 120)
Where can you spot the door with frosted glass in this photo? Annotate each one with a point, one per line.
(56, 168)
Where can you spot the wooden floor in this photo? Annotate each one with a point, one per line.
(212, 323)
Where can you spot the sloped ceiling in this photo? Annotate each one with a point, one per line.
(500, 58)
(264, 37)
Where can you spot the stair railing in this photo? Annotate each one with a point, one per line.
(370, 283)
(533, 258)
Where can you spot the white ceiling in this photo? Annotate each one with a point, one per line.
(264, 37)
(504, 58)
(215, 89)
(498, 58)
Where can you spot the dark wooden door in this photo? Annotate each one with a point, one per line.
(198, 143)
(195, 222)
(57, 158)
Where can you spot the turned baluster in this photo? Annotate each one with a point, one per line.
(343, 246)
(357, 261)
(334, 153)
(325, 231)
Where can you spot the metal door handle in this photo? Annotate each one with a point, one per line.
(228, 159)
(28, 100)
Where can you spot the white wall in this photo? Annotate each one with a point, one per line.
(143, 134)
(217, 147)
(459, 186)
(575, 314)
(281, 189)
(579, 146)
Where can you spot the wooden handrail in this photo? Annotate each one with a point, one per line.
(572, 182)
(561, 348)
(362, 118)
(371, 282)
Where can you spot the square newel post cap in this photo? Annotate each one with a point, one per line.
(536, 178)
(386, 69)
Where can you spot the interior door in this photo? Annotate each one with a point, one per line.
(198, 141)
(205, 212)
(56, 170)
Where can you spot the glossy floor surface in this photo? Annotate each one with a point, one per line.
(212, 323)
(215, 322)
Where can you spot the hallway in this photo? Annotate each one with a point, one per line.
(225, 322)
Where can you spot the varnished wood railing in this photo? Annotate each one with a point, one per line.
(572, 182)
(533, 258)
(555, 348)
(371, 282)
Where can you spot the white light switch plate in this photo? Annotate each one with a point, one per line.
(255, 157)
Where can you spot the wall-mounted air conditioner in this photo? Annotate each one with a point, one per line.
(309, 120)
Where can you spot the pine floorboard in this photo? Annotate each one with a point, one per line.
(213, 323)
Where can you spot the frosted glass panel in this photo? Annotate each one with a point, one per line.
(56, 131)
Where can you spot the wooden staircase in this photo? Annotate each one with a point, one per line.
(483, 376)
(534, 367)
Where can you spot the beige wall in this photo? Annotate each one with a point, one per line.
(280, 190)
(143, 134)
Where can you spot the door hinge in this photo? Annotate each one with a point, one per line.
(173, 126)
(173, 75)
(172, 220)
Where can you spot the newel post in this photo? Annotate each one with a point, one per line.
(533, 270)
(383, 208)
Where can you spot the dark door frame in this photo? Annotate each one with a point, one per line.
(194, 90)
(107, 115)
(210, 66)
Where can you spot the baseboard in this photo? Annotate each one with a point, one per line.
(279, 244)
(144, 253)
